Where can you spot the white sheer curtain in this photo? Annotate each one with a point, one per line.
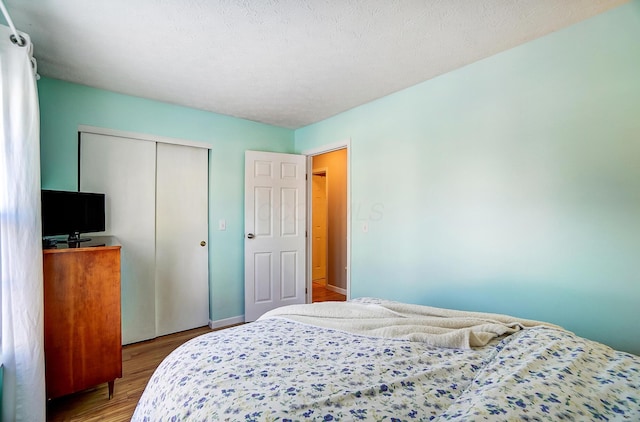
(20, 236)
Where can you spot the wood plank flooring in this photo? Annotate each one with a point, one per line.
(139, 360)
(138, 363)
(321, 294)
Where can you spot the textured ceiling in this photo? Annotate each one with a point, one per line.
(288, 63)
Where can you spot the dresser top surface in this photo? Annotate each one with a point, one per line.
(96, 242)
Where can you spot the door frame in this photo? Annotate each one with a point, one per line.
(344, 144)
(321, 171)
(142, 136)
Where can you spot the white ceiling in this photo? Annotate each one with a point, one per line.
(288, 63)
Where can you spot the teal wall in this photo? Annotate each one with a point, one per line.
(64, 106)
(510, 185)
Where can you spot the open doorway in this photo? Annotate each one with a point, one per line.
(329, 224)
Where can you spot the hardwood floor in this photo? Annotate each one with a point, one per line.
(138, 363)
(321, 294)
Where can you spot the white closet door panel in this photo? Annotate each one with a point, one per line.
(182, 276)
(125, 170)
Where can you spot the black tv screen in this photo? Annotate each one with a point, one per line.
(72, 213)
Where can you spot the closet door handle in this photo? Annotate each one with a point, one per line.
(203, 243)
(250, 236)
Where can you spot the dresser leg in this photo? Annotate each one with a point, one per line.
(111, 385)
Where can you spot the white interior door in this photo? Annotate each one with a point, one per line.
(125, 170)
(182, 257)
(319, 228)
(275, 225)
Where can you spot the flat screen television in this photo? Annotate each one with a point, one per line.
(72, 213)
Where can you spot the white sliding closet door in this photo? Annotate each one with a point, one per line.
(157, 207)
(125, 170)
(182, 277)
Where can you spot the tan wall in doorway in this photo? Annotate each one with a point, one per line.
(336, 164)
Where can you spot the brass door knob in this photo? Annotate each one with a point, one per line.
(203, 243)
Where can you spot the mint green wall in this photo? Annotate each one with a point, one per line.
(510, 185)
(64, 106)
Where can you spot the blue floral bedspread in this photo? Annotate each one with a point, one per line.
(279, 370)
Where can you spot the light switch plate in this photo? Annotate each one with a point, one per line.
(222, 225)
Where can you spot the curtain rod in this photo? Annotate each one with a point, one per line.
(17, 38)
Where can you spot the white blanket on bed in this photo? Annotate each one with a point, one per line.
(434, 326)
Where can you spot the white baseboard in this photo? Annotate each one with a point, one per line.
(336, 289)
(221, 323)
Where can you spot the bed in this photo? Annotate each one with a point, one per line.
(372, 359)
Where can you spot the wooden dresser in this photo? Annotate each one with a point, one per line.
(82, 334)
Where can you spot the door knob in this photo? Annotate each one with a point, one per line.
(203, 243)
(250, 236)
